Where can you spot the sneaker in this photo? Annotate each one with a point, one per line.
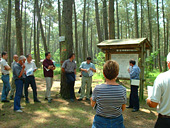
(129, 107)
(19, 111)
(80, 99)
(72, 100)
(22, 107)
(46, 99)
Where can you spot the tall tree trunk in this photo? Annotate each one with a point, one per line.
(76, 34)
(111, 20)
(84, 33)
(150, 28)
(49, 31)
(25, 37)
(91, 47)
(67, 45)
(87, 38)
(38, 47)
(165, 44)
(158, 38)
(59, 17)
(35, 40)
(121, 30)
(117, 13)
(100, 37)
(41, 27)
(167, 36)
(18, 28)
(105, 19)
(31, 37)
(136, 20)
(141, 18)
(127, 13)
(4, 34)
(8, 34)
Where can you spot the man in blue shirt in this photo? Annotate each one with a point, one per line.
(87, 69)
(134, 72)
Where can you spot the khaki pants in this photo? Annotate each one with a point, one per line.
(49, 83)
(86, 81)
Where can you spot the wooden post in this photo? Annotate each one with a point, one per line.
(142, 55)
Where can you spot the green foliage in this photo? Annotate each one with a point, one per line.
(100, 59)
(56, 56)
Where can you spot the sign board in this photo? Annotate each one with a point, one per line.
(61, 38)
(123, 61)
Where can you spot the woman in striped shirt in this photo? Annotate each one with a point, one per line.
(109, 99)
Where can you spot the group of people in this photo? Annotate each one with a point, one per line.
(108, 99)
(23, 69)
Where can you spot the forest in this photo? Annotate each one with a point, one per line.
(34, 26)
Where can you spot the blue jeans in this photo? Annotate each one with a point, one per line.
(18, 94)
(6, 87)
(71, 81)
(101, 122)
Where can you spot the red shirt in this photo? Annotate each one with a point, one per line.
(46, 63)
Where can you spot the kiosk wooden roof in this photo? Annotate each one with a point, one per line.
(128, 46)
(124, 45)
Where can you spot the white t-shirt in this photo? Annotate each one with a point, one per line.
(29, 66)
(161, 93)
(3, 64)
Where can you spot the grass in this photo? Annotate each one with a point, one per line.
(65, 114)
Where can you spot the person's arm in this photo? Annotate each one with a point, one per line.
(93, 68)
(154, 100)
(93, 103)
(6, 66)
(63, 67)
(22, 71)
(133, 73)
(151, 104)
(123, 107)
(85, 70)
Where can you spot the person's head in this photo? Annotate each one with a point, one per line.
(4, 55)
(21, 60)
(15, 57)
(111, 70)
(72, 56)
(132, 62)
(47, 55)
(29, 57)
(168, 60)
(88, 60)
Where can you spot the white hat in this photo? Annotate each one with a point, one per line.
(168, 57)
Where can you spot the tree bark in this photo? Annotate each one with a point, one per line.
(31, 37)
(142, 18)
(8, 34)
(117, 13)
(100, 38)
(136, 20)
(105, 19)
(87, 38)
(158, 38)
(35, 40)
(165, 44)
(84, 33)
(49, 31)
(41, 27)
(67, 45)
(18, 28)
(127, 13)
(76, 34)
(111, 20)
(25, 37)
